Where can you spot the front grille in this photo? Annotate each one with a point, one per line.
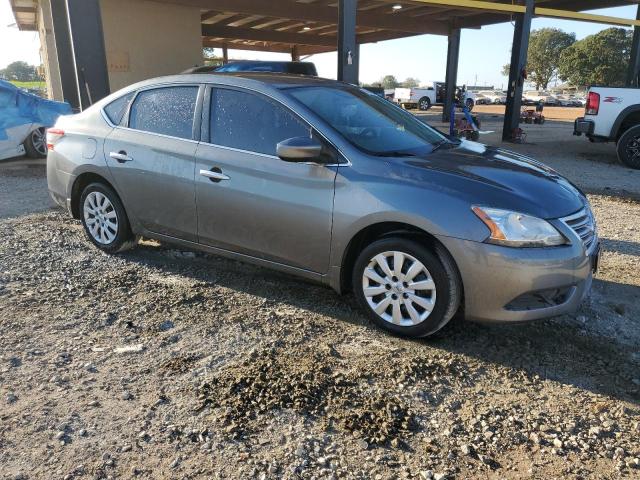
(584, 225)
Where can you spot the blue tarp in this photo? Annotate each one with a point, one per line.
(18, 107)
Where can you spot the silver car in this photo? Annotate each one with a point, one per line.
(332, 183)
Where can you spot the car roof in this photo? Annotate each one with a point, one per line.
(275, 80)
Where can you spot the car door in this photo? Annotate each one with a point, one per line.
(249, 200)
(152, 159)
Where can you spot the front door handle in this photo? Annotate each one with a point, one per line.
(121, 156)
(215, 174)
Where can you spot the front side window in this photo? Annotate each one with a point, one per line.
(116, 109)
(165, 110)
(251, 122)
(370, 123)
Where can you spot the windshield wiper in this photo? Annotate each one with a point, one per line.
(395, 154)
(439, 144)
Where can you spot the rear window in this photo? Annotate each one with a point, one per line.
(116, 109)
(166, 110)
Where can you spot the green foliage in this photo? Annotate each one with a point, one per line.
(389, 81)
(19, 71)
(411, 82)
(545, 48)
(543, 57)
(600, 59)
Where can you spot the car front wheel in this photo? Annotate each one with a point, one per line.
(406, 288)
(104, 219)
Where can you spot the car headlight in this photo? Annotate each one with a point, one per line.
(515, 229)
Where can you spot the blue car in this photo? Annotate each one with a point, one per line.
(24, 119)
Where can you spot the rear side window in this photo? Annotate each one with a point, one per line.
(166, 110)
(116, 109)
(251, 122)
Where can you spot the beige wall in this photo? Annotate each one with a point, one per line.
(48, 52)
(145, 39)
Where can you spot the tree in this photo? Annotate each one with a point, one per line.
(411, 82)
(506, 70)
(545, 47)
(599, 59)
(389, 81)
(20, 71)
(543, 56)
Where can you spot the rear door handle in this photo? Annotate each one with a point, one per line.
(121, 156)
(215, 174)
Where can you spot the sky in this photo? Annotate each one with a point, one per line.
(483, 52)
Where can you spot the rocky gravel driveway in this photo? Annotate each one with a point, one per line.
(161, 363)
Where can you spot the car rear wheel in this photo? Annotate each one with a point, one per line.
(405, 288)
(36, 143)
(424, 103)
(628, 147)
(104, 219)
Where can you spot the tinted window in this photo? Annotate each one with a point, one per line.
(167, 110)
(251, 122)
(116, 109)
(369, 122)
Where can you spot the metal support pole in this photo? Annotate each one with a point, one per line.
(347, 47)
(519, 50)
(453, 55)
(89, 56)
(225, 54)
(295, 56)
(64, 52)
(634, 61)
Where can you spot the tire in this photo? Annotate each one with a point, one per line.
(437, 273)
(36, 143)
(628, 148)
(470, 103)
(104, 219)
(424, 103)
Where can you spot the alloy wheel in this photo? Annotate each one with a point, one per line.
(100, 217)
(633, 147)
(39, 141)
(399, 288)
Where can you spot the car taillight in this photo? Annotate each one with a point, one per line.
(53, 136)
(593, 103)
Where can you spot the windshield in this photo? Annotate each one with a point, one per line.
(369, 122)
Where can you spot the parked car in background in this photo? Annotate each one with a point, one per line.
(24, 118)
(296, 68)
(535, 96)
(613, 115)
(326, 181)
(424, 97)
(497, 97)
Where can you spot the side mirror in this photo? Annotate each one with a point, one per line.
(299, 149)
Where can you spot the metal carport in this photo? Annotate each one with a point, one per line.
(303, 27)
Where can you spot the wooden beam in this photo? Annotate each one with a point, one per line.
(586, 17)
(266, 35)
(271, 36)
(313, 13)
(539, 11)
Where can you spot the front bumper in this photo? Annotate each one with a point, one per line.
(497, 278)
(582, 126)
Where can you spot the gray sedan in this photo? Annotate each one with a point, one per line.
(329, 182)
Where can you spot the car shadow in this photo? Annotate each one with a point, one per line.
(561, 350)
(623, 247)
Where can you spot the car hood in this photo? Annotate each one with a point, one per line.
(499, 178)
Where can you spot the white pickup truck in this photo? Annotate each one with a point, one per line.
(613, 115)
(432, 93)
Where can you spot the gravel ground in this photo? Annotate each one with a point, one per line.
(161, 363)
